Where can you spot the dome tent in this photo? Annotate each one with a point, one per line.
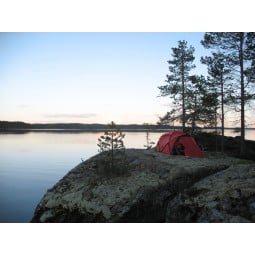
(167, 143)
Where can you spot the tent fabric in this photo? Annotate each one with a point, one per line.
(168, 141)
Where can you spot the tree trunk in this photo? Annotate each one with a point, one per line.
(222, 113)
(216, 130)
(242, 145)
(183, 99)
(112, 147)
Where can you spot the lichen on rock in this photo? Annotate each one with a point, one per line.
(226, 196)
(151, 187)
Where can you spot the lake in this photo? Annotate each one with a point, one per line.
(33, 162)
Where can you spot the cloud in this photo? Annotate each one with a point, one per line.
(23, 106)
(71, 115)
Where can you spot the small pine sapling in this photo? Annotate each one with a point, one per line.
(149, 143)
(111, 141)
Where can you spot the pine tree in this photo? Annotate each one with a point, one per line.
(201, 103)
(149, 143)
(111, 140)
(220, 82)
(238, 49)
(178, 80)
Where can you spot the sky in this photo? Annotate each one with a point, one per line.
(87, 77)
(112, 68)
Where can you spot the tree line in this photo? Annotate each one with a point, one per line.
(18, 125)
(229, 82)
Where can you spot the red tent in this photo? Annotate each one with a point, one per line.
(168, 142)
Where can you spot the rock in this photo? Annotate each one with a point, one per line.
(139, 190)
(226, 196)
(231, 144)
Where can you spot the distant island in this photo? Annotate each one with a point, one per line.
(19, 126)
(7, 126)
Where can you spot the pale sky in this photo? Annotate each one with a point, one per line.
(98, 77)
(87, 77)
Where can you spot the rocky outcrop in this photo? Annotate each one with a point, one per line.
(227, 196)
(144, 187)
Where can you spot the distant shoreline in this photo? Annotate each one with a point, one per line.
(136, 130)
(16, 126)
(69, 130)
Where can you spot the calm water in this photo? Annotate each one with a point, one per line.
(33, 162)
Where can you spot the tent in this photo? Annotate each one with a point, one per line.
(167, 144)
